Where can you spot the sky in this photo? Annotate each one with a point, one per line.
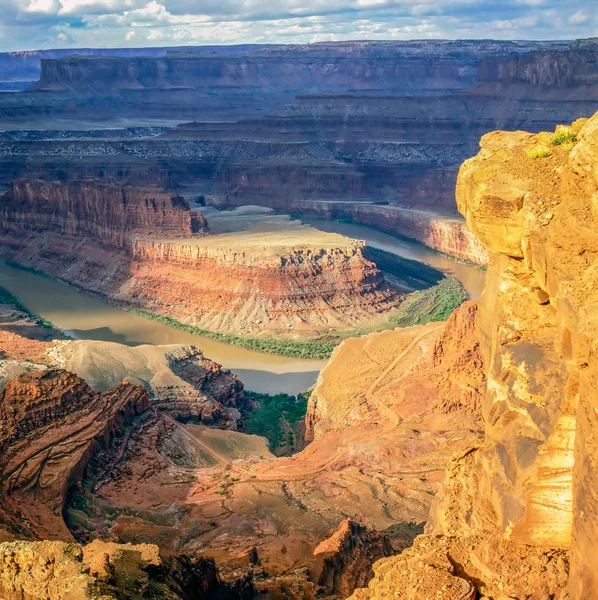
(42, 24)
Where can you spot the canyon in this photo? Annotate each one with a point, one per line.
(446, 454)
(483, 426)
(303, 129)
(163, 478)
(146, 249)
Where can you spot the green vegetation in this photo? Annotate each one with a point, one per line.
(316, 348)
(563, 136)
(425, 306)
(538, 151)
(269, 414)
(7, 298)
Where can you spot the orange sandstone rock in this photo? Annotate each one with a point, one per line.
(517, 509)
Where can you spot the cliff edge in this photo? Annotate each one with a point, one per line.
(518, 516)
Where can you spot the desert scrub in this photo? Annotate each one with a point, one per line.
(563, 135)
(426, 306)
(538, 151)
(317, 348)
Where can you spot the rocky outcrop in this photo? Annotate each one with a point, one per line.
(529, 490)
(68, 571)
(179, 379)
(52, 426)
(346, 557)
(447, 234)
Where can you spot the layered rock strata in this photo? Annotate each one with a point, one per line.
(146, 249)
(179, 379)
(52, 425)
(107, 213)
(447, 234)
(517, 516)
(355, 121)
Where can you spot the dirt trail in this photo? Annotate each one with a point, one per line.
(298, 475)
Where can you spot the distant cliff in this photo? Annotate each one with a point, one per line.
(415, 65)
(108, 213)
(569, 68)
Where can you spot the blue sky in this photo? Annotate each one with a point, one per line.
(33, 24)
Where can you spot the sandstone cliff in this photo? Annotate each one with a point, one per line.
(147, 250)
(68, 571)
(110, 214)
(516, 511)
(178, 379)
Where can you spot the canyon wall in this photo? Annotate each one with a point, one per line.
(145, 249)
(20, 69)
(53, 426)
(434, 65)
(110, 214)
(527, 494)
(368, 122)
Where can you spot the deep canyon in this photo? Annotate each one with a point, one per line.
(448, 447)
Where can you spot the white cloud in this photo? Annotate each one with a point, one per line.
(41, 6)
(28, 23)
(578, 18)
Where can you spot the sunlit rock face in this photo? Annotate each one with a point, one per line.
(529, 490)
(146, 249)
(538, 464)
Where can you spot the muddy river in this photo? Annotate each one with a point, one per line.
(84, 317)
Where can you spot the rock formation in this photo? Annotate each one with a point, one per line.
(517, 516)
(110, 214)
(147, 478)
(347, 557)
(178, 379)
(68, 571)
(146, 249)
(52, 424)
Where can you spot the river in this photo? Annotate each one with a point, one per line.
(85, 317)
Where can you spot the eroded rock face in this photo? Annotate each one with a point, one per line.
(345, 558)
(452, 379)
(109, 213)
(146, 249)
(179, 379)
(52, 425)
(531, 486)
(105, 570)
